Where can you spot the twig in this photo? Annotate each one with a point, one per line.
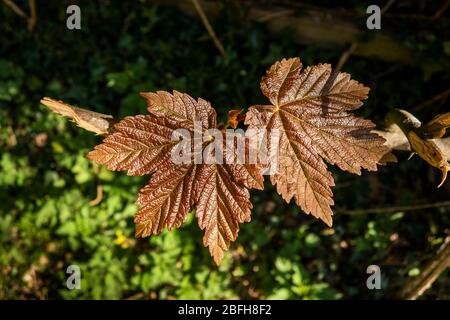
(344, 57)
(330, 81)
(397, 209)
(387, 6)
(346, 54)
(415, 287)
(33, 18)
(275, 15)
(16, 8)
(322, 27)
(387, 71)
(440, 11)
(136, 296)
(431, 101)
(102, 124)
(99, 188)
(209, 28)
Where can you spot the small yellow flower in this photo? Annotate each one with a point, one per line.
(121, 240)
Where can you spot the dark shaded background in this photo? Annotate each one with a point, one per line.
(124, 47)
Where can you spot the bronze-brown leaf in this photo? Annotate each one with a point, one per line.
(138, 144)
(221, 205)
(165, 201)
(309, 112)
(219, 192)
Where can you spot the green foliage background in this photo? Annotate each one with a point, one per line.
(124, 47)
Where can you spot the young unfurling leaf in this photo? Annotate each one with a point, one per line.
(310, 110)
(219, 192)
(310, 113)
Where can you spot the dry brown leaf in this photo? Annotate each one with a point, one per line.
(430, 152)
(89, 120)
(437, 127)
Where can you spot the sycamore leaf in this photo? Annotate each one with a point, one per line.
(309, 111)
(221, 205)
(137, 144)
(165, 201)
(219, 192)
(182, 108)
